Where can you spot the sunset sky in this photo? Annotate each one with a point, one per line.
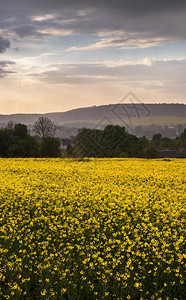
(57, 55)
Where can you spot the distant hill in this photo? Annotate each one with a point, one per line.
(98, 116)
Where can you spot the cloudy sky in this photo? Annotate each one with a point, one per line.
(57, 55)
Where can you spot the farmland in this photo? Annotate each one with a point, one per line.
(92, 228)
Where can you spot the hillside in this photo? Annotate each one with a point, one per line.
(122, 114)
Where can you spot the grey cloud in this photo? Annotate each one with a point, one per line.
(125, 6)
(3, 68)
(6, 63)
(4, 44)
(3, 73)
(153, 18)
(29, 30)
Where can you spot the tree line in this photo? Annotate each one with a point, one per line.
(16, 141)
(112, 141)
(115, 141)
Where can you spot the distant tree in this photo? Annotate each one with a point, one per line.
(10, 125)
(87, 143)
(181, 142)
(143, 144)
(15, 141)
(165, 142)
(30, 146)
(44, 127)
(151, 152)
(5, 140)
(183, 135)
(112, 141)
(156, 139)
(50, 147)
(20, 130)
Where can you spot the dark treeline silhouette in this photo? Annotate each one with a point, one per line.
(177, 144)
(15, 141)
(112, 141)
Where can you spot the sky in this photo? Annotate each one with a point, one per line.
(57, 55)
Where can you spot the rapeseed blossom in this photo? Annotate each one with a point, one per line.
(94, 229)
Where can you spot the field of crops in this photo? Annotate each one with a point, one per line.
(92, 228)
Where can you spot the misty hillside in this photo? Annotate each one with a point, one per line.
(122, 114)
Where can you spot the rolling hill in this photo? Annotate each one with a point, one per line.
(97, 116)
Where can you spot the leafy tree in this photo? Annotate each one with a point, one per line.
(87, 143)
(156, 139)
(5, 141)
(183, 135)
(20, 130)
(44, 127)
(165, 142)
(143, 144)
(151, 152)
(181, 142)
(16, 142)
(31, 147)
(50, 147)
(113, 141)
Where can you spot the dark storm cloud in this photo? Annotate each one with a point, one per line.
(148, 17)
(4, 44)
(29, 30)
(124, 6)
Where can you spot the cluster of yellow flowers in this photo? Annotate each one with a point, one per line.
(92, 228)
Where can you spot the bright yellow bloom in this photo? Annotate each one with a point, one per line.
(72, 228)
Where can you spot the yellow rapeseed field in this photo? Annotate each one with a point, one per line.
(92, 228)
